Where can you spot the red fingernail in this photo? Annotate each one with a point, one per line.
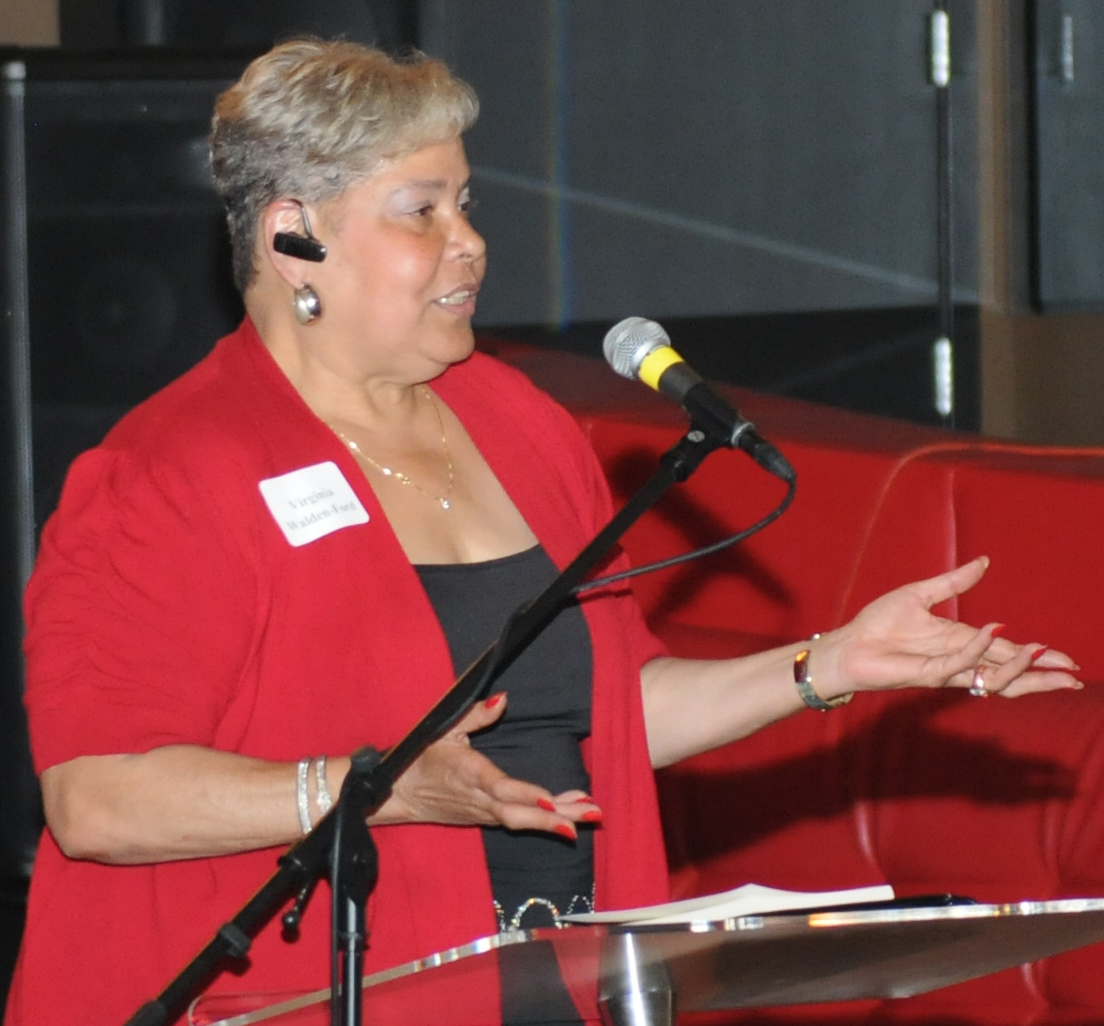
(997, 631)
(594, 816)
(544, 803)
(495, 700)
(566, 830)
(1035, 655)
(585, 798)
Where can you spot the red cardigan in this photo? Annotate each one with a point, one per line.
(167, 607)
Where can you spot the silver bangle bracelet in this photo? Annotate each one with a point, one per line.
(325, 802)
(302, 799)
(804, 681)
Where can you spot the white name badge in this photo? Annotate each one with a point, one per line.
(309, 503)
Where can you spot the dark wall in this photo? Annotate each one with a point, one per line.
(747, 173)
(210, 24)
(672, 160)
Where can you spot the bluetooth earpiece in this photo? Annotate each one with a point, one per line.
(302, 247)
(299, 247)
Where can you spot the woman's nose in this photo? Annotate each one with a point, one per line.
(470, 244)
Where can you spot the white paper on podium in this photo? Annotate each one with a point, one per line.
(748, 900)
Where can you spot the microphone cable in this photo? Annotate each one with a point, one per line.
(707, 550)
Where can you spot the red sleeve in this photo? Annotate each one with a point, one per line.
(140, 612)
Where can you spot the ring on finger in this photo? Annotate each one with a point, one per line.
(977, 685)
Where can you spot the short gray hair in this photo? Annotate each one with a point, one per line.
(312, 117)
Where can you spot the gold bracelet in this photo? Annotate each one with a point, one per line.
(804, 681)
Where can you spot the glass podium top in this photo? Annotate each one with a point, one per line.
(752, 961)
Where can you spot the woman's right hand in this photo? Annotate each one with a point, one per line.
(452, 783)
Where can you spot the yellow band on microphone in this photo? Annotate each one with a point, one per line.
(655, 363)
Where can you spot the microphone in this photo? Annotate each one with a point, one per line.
(640, 349)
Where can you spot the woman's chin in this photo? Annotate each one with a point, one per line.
(454, 345)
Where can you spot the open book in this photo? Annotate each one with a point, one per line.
(751, 899)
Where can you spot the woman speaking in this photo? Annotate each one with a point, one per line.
(290, 551)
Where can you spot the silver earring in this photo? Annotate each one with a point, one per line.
(308, 307)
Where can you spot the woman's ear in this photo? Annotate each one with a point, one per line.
(287, 240)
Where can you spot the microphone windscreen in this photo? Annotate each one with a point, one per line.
(629, 341)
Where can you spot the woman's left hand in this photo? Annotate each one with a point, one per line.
(694, 705)
(896, 642)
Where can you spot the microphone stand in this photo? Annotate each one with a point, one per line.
(341, 845)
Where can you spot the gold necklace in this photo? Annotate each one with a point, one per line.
(398, 475)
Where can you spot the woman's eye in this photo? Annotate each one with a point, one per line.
(468, 205)
(425, 210)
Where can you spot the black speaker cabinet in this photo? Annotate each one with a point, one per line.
(114, 278)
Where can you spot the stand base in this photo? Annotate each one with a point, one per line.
(650, 1008)
(633, 989)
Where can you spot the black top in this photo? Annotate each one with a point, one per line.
(534, 876)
